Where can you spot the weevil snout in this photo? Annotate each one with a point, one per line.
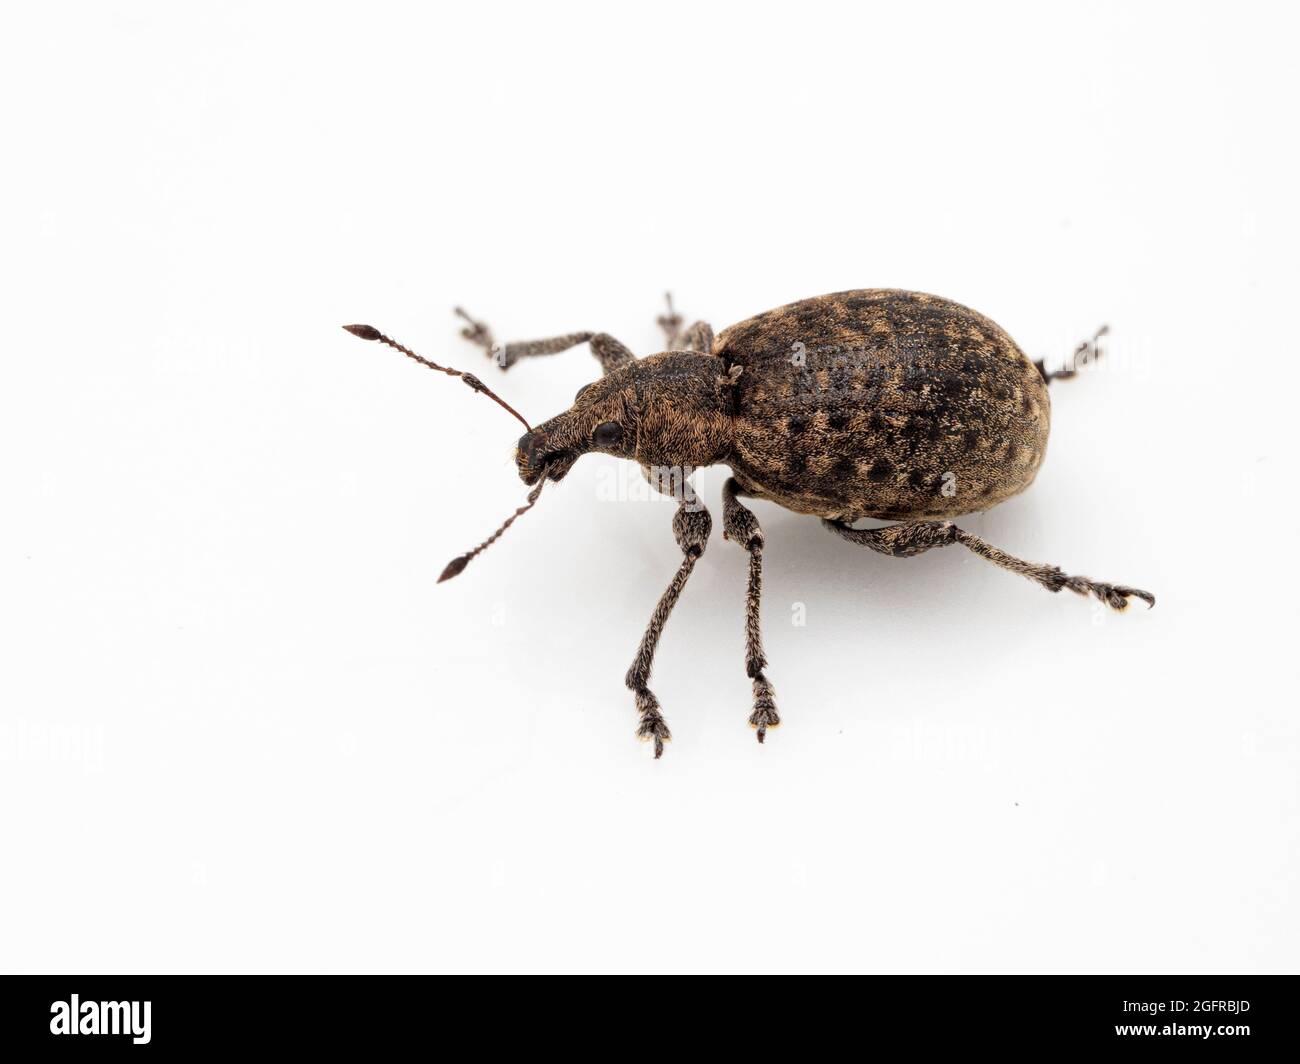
(537, 455)
(527, 455)
(527, 447)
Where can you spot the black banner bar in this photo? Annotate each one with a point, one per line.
(137, 1014)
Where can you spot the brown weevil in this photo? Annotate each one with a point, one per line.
(874, 403)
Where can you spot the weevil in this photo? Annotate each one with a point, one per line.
(874, 403)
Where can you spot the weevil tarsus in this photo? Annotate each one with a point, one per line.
(671, 323)
(1088, 352)
(698, 336)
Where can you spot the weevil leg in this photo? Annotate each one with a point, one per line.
(1085, 354)
(671, 322)
(609, 352)
(907, 541)
(741, 526)
(691, 527)
(697, 337)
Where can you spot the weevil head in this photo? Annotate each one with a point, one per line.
(669, 410)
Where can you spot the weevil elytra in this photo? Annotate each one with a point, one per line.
(874, 403)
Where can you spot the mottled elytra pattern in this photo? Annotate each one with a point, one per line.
(884, 404)
(872, 403)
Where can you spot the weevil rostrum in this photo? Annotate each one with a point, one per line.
(874, 403)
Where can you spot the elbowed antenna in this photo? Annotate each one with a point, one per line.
(457, 565)
(369, 332)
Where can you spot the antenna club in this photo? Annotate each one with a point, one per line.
(454, 567)
(369, 332)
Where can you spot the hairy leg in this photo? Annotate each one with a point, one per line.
(741, 526)
(691, 527)
(907, 541)
(609, 352)
(697, 337)
(671, 322)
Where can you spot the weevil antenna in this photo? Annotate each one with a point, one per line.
(369, 332)
(457, 565)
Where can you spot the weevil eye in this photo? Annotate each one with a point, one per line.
(607, 434)
(578, 397)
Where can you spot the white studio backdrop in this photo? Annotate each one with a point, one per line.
(243, 729)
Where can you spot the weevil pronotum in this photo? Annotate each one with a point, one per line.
(867, 404)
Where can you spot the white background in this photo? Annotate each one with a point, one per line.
(243, 729)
